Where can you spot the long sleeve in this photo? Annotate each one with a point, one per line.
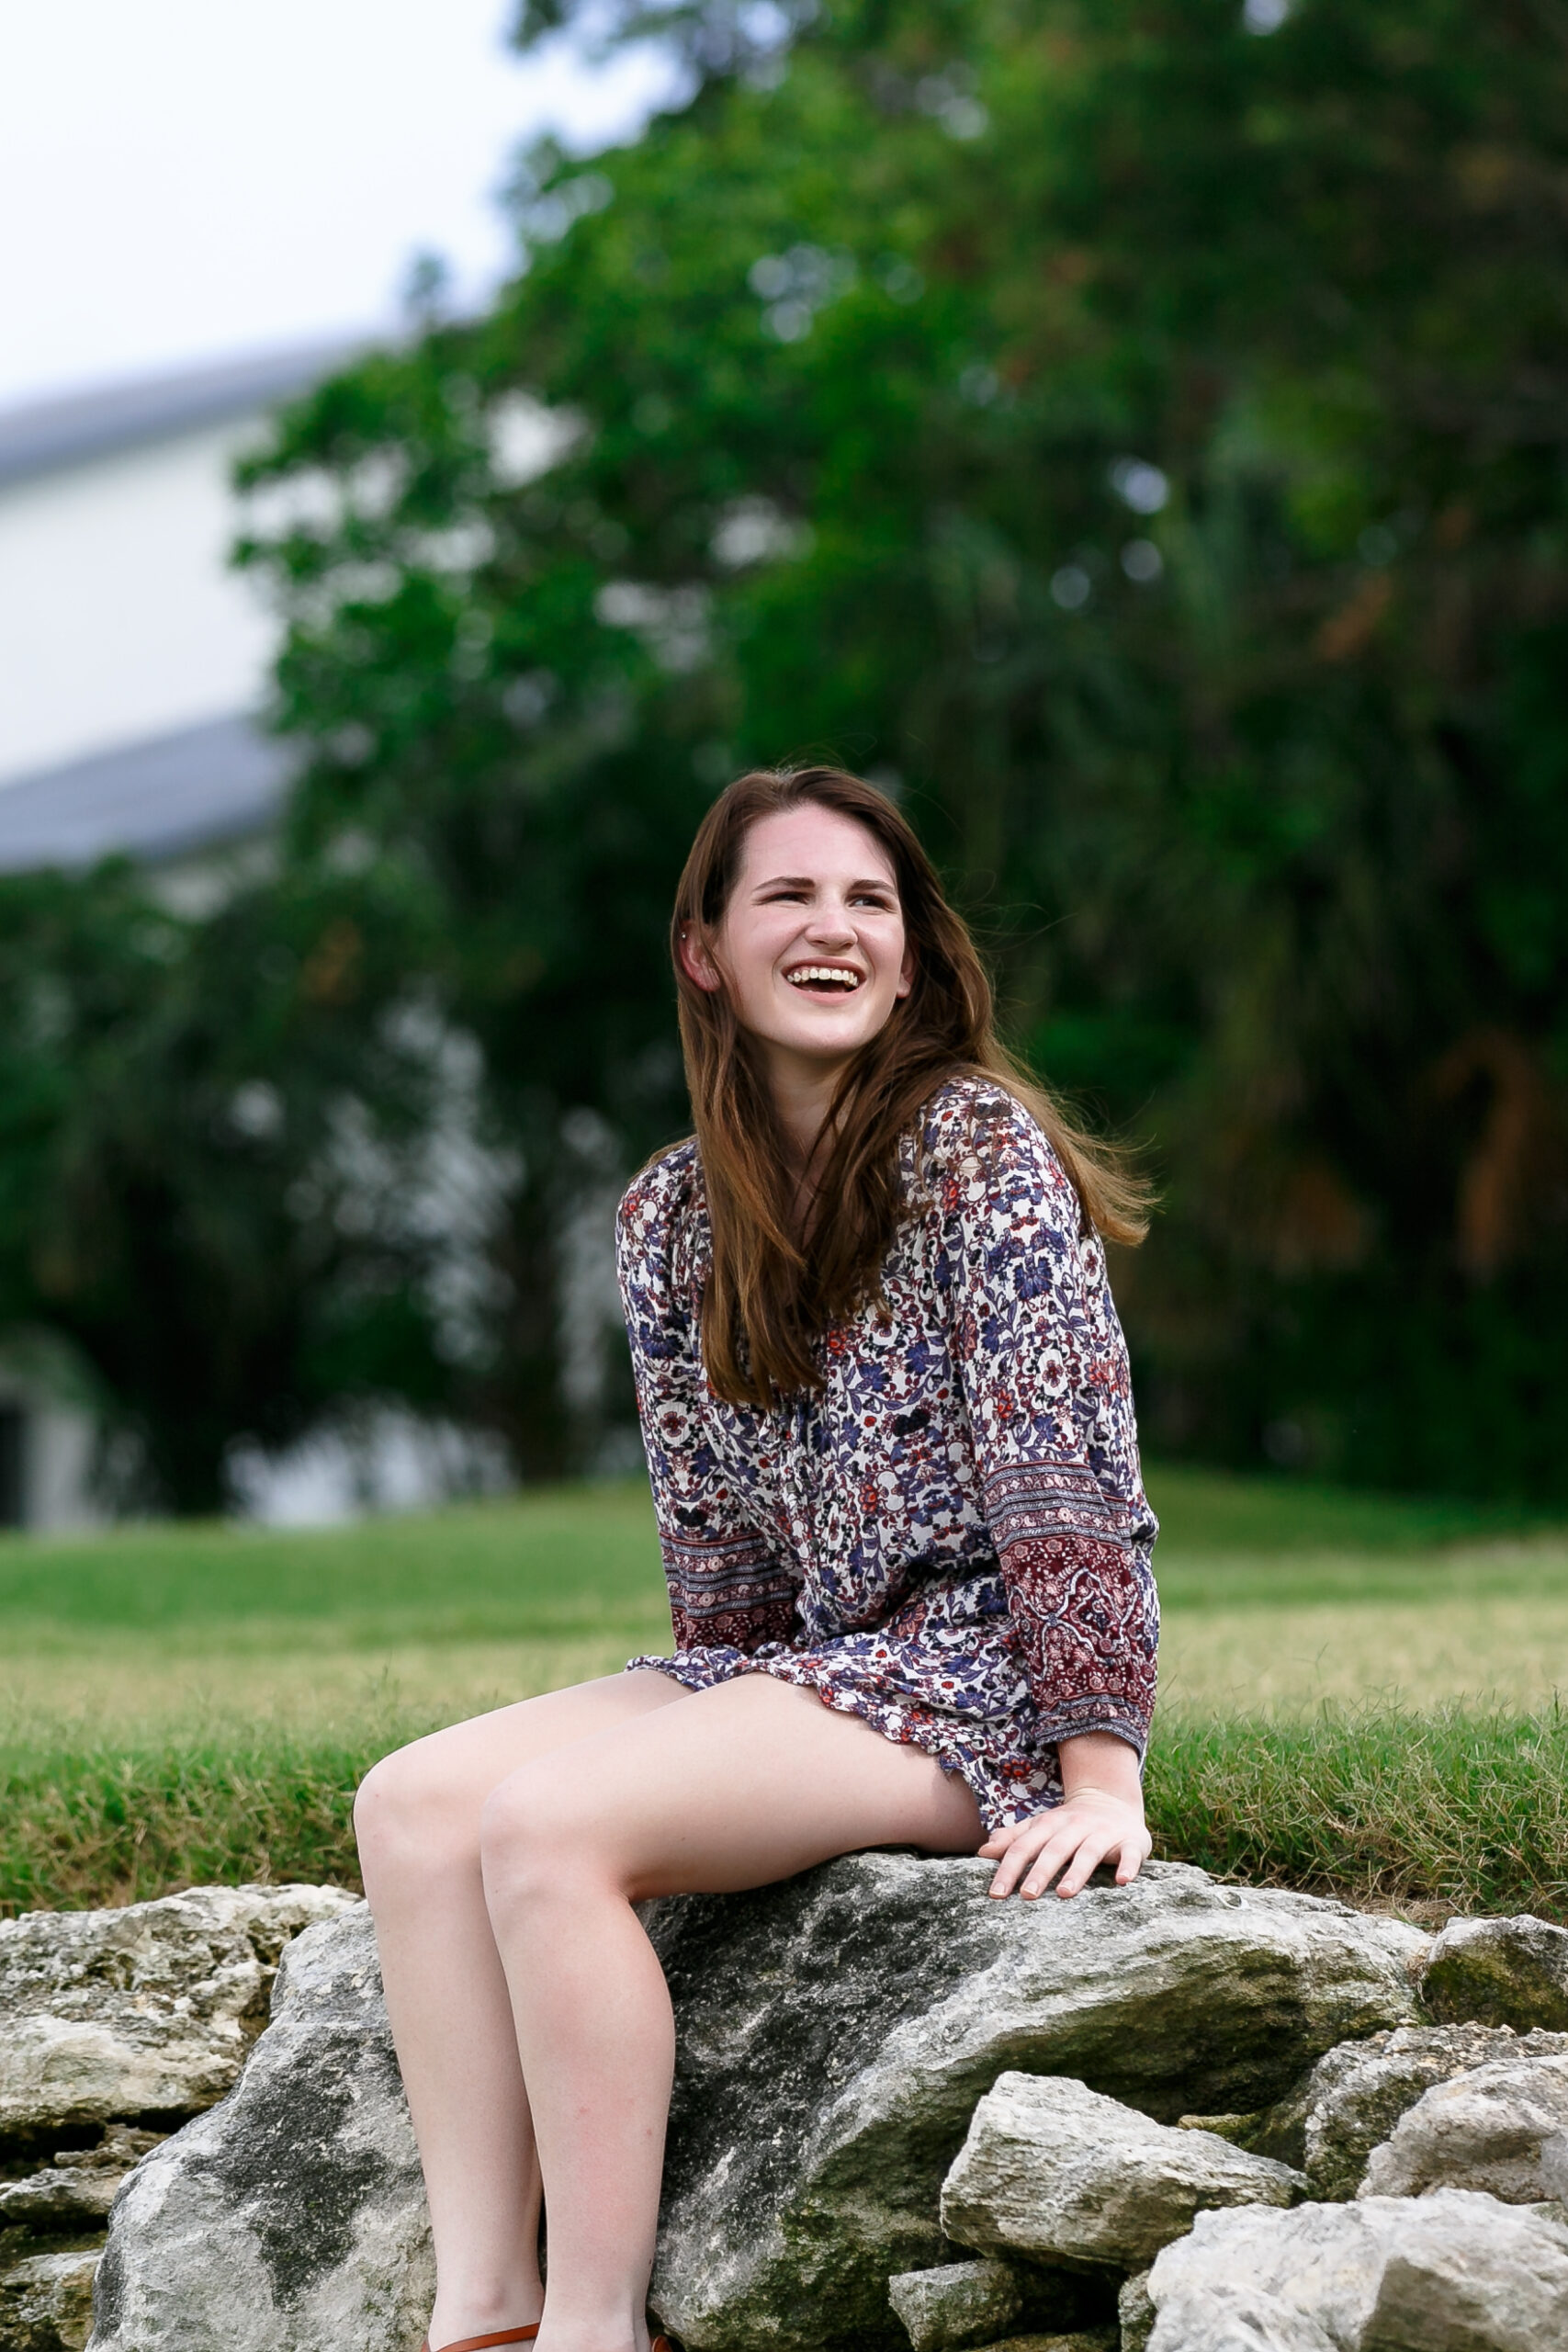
(1044, 1369)
(727, 1587)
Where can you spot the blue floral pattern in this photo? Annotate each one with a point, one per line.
(950, 1538)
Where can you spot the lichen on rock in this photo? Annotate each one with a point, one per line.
(1500, 1972)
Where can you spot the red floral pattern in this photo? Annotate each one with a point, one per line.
(951, 1537)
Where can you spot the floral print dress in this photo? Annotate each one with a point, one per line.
(949, 1537)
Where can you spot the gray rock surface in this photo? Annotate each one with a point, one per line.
(834, 2034)
(1355, 2095)
(144, 2011)
(46, 2303)
(290, 2218)
(1452, 2272)
(958, 2303)
(1085, 2339)
(1053, 2169)
(1135, 2311)
(1500, 1972)
(76, 2190)
(809, 2135)
(1503, 2130)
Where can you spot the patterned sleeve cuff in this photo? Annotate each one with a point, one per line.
(1099, 1714)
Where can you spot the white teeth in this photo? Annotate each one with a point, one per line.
(848, 982)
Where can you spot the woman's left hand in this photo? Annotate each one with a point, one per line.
(1099, 1819)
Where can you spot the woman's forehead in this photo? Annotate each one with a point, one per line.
(810, 840)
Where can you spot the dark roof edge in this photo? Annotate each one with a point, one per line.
(42, 437)
(158, 797)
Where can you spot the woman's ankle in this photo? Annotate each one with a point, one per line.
(460, 2312)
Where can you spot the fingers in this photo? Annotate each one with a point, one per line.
(1000, 1840)
(1063, 1847)
(1135, 1852)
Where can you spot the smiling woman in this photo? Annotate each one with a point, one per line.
(888, 1422)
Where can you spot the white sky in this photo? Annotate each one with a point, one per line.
(191, 179)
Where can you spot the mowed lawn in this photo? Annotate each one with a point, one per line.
(1276, 1597)
(1357, 1693)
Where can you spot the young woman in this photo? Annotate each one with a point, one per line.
(886, 1411)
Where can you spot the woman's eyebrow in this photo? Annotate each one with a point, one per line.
(809, 882)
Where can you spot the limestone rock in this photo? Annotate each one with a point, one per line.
(1052, 2169)
(1135, 2311)
(964, 2303)
(292, 2216)
(1500, 1972)
(76, 2191)
(957, 2304)
(145, 2011)
(1503, 2129)
(1452, 2272)
(46, 2303)
(834, 2033)
(1355, 2095)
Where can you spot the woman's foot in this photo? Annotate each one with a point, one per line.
(482, 2343)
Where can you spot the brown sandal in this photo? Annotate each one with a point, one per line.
(521, 2335)
(479, 2343)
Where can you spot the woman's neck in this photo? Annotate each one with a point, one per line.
(803, 1094)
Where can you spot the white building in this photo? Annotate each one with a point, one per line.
(132, 660)
(131, 656)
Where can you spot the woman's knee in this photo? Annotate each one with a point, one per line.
(407, 1804)
(539, 1832)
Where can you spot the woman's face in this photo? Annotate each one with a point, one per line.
(812, 945)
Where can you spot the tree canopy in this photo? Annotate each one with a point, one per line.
(1135, 434)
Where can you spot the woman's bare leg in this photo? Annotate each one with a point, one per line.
(418, 1821)
(734, 1788)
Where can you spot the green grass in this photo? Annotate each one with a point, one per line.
(558, 1566)
(1359, 1692)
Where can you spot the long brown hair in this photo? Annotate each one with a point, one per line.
(773, 1289)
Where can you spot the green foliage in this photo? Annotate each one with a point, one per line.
(1142, 441)
(179, 1202)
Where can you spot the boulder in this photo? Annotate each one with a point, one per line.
(76, 2191)
(1503, 2129)
(833, 2035)
(142, 2012)
(958, 2303)
(292, 2216)
(964, 2303)
(1053, 2169)
(1452, 2272)
(1500, 1972)
(809, 2133)
(46, 2303)
(1355, 2095)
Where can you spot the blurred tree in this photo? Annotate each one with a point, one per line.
(213, 1161)
(1139, 434)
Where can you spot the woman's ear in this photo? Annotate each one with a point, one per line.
(907, 972)
(697, 964)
